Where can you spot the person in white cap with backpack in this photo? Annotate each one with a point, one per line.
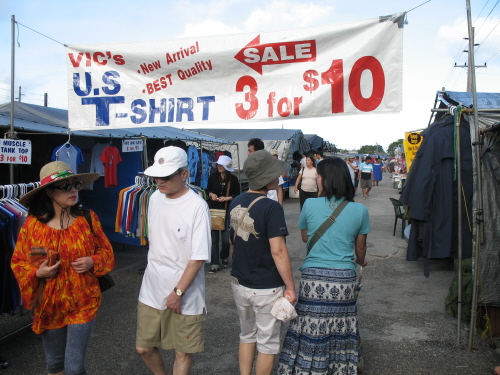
(171, 306)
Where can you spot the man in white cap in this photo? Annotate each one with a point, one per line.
(261, 271)
(171, 306)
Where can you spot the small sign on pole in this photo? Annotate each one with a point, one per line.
(132, 145)
(15, 151)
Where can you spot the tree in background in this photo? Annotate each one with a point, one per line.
(371, 150)
(393, 146)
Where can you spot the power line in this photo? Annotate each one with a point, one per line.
(40, 34)
(458, 77)
(487, 35)
(487, 16)
(408, 11)
(481, 11)
(492, 56)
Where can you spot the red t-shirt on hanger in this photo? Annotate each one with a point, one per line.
(110, 157)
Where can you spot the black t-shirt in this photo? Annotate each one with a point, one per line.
(253, 264)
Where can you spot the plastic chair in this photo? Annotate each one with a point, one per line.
(398, 211)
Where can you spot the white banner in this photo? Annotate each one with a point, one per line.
(346, 68)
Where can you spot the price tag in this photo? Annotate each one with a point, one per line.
(15, 151)
(132, 145)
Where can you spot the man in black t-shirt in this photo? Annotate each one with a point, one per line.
(261, 271)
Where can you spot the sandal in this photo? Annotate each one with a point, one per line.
(225, 262)
(213, 270)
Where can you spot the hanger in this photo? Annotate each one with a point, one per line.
(68, 143)
(110, 140)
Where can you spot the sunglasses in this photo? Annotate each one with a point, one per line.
(70, 185)
(167, 178)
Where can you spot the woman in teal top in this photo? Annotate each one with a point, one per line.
(324, 338)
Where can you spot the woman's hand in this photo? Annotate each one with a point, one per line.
(83, 264)
(213, 196)
(361, 263)
(46, 272)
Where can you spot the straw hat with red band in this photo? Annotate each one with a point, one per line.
(57, 171)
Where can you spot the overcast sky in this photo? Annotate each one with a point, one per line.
(433, 42)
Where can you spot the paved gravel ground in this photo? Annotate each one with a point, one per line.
(403, 324)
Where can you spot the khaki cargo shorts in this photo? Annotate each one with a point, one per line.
(169, 330)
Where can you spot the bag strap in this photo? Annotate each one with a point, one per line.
(326, 224)
(245, 214)
(86, 213)
(227, 191)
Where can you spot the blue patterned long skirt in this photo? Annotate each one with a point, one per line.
(324, 338)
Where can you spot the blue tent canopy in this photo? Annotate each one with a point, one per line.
(38, 118)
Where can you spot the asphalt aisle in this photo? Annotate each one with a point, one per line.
(403, 324)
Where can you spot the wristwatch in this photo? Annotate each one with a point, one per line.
(179, 292)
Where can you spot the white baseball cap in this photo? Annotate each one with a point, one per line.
(168, 160)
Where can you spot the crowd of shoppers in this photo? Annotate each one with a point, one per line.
(64, 293)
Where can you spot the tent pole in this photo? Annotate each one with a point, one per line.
(459, 212)
(478, 224)
(201, 159)
(12, 64)
(239, 166)
(144, 153)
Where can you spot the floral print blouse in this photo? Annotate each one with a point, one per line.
(69, 297)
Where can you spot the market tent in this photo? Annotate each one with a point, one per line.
(285, 141)
(315, 142)
(36, 118)
(47, 128)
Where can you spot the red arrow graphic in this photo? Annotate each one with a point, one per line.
(254, 54)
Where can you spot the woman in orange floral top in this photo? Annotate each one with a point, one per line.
(62, 290)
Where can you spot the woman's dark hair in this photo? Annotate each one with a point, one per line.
(336, 179)
(42, 208)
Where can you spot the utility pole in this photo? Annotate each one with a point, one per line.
(11, 133)
(470, 66)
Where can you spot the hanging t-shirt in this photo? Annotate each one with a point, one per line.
(193, 160)
(110, 157)
(69, 154)
(96, 165)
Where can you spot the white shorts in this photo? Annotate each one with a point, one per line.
(256, 322)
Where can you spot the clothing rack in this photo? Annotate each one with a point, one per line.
(13, 216)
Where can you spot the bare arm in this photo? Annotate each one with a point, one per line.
(360, 250)
(281, 258)
(279, 192)
(192, 268)
(303, 234)
(297, 183)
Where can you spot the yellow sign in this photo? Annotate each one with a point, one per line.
(411, 145)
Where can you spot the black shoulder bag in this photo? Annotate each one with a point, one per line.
(105, 281)
(326, 224)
